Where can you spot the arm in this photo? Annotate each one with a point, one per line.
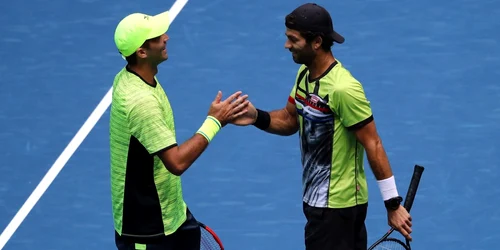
(377, 158)
(351, 105)
(155, 130)
(355, 113)
(281, 122)
(368, 136)
(178, 159)
(379, 163)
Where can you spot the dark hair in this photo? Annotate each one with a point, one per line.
(327, 41)
(132, 59)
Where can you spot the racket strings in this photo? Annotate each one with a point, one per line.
(207, 241)
(390, 244)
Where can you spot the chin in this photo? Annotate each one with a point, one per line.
(298, 61)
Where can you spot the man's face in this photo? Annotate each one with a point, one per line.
(302, 52)
(157, 51)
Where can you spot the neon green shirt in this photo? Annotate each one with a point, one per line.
(328, 108)
(147, 198)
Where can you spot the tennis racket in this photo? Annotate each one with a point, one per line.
(387, 243)
(209, 240)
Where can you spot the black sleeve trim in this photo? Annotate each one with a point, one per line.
(164, 149)
(360, 124)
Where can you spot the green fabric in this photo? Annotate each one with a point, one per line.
(142, 111)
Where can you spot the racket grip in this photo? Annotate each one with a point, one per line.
(412, 189)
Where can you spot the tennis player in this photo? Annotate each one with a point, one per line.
(328, 107)
(146, 161)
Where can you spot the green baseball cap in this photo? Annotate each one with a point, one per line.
(136, 28)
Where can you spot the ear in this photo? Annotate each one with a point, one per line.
(317, 42)
(141, 53)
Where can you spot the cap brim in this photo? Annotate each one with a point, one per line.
(337, 37)
(160, 24)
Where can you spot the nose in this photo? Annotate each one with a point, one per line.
(165, 38)
(288, 44)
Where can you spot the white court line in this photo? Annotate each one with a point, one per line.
(68, 152)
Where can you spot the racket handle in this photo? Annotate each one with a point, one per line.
(412, 189)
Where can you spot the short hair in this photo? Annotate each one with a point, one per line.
(132, 59)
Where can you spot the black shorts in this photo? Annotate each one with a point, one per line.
(335, 228)
(187, 237)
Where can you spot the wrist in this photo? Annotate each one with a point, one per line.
(388, 188)
(263, 120)
(389, 193)
(210, 127)
(393, 204)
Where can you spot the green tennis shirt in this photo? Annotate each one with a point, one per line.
(147, 199)
(329, 108)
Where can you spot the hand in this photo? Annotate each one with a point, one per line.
(231, 108)
(247, 118)
(400, 219)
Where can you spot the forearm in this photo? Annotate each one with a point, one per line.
(380, 166)
(180, 158)
(279, 122)
(189, 151)
(282, 123)
(378, 160)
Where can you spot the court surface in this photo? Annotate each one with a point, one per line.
(430, 69)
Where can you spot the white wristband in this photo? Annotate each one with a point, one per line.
(388, 188)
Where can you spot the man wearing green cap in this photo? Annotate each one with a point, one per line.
(146, 162)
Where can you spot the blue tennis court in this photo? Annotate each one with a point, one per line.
(430, 69)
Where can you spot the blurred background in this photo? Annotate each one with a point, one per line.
(429, 68)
